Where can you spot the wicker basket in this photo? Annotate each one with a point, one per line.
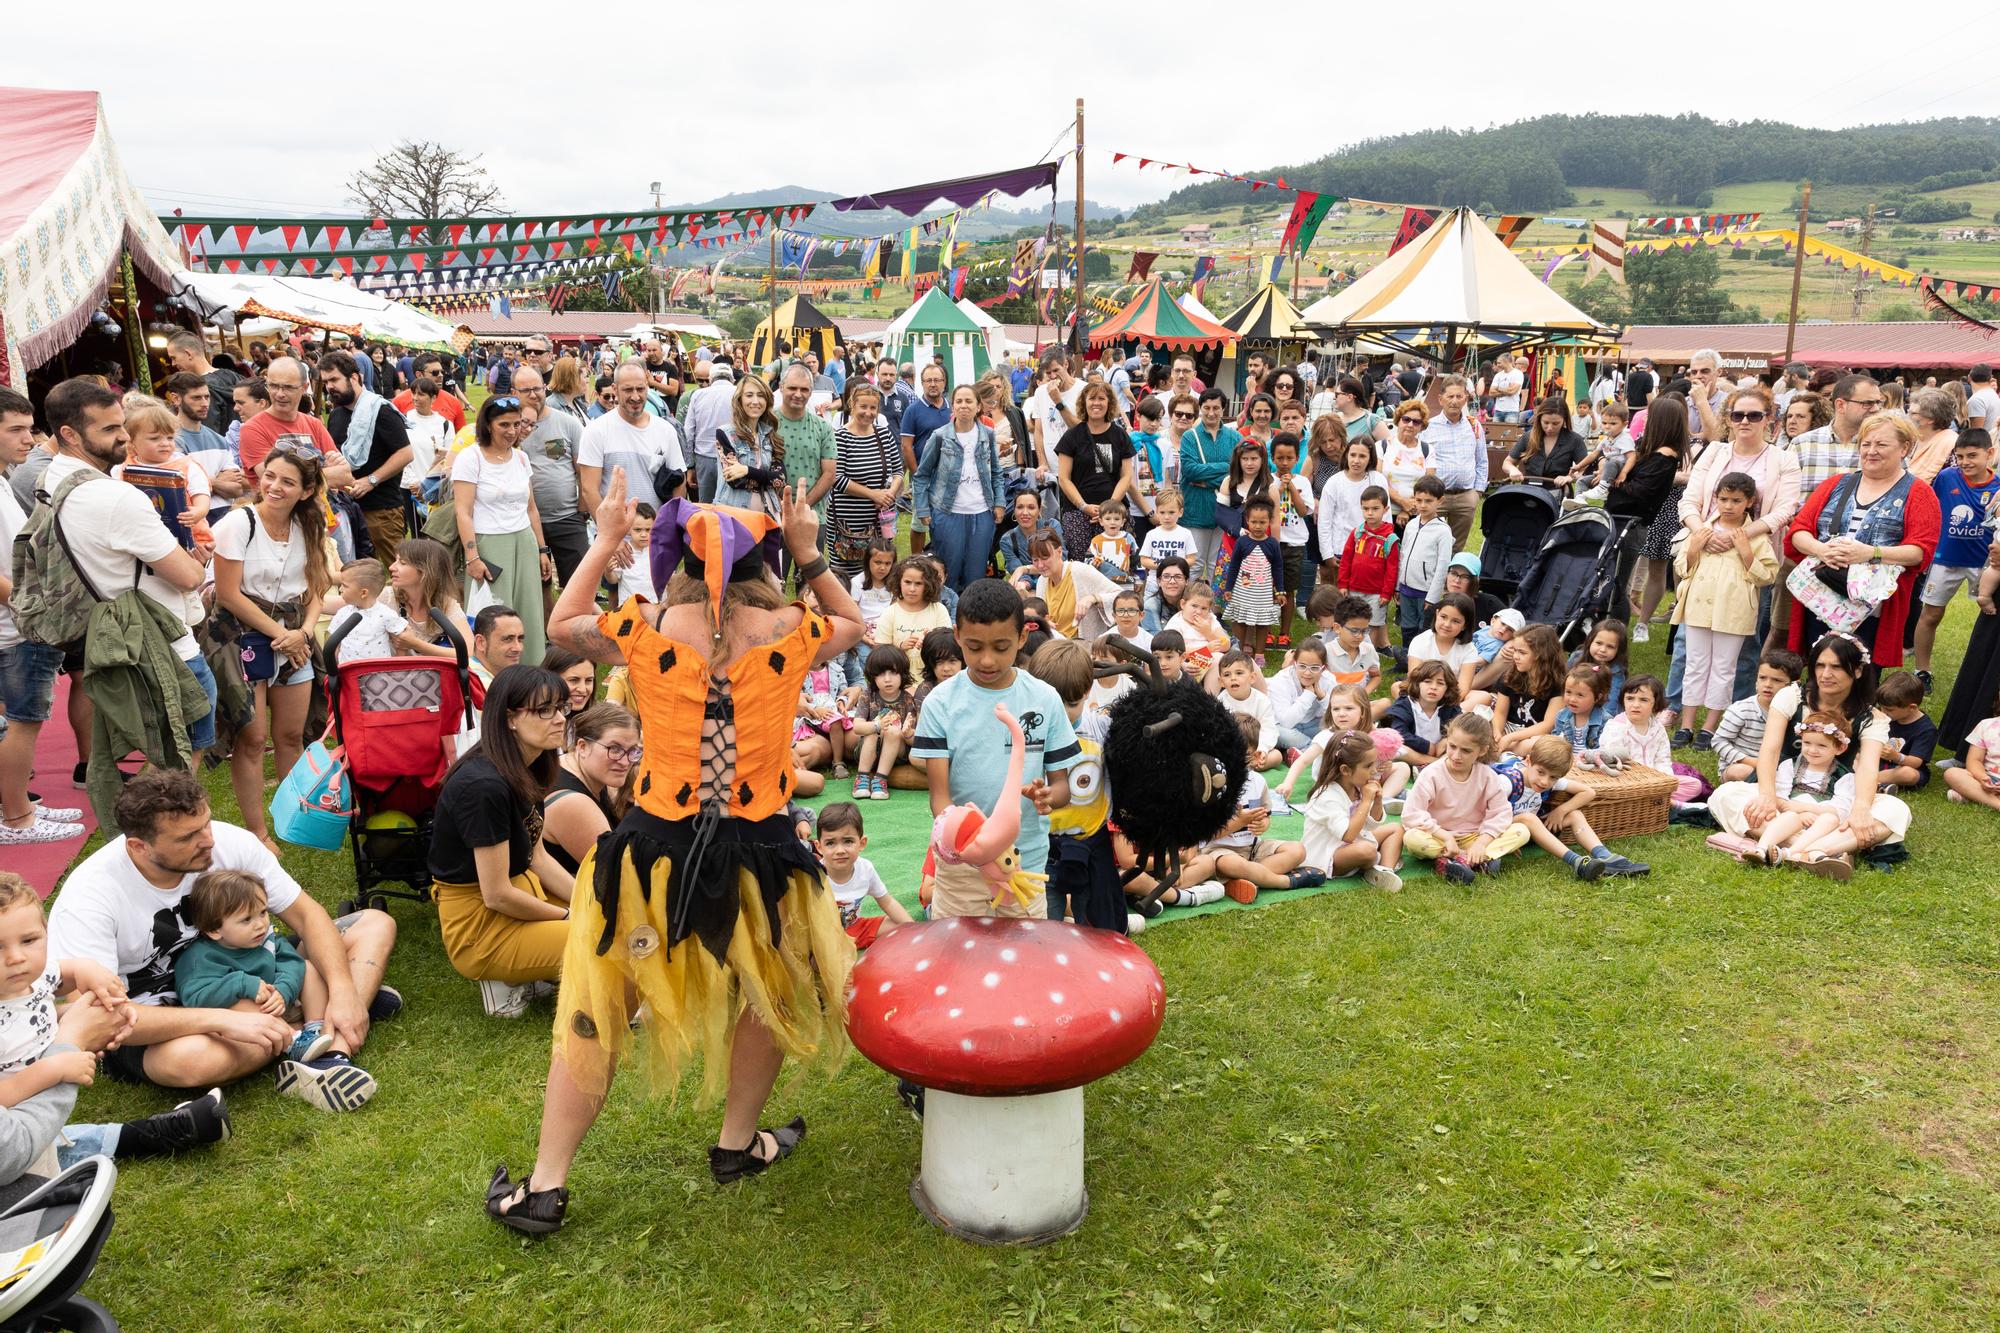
(1628, 804)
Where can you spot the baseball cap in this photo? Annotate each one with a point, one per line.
(721, 371)
(1512, 619)
(1466, 561)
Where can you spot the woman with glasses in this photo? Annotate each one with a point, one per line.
(598, 767)
(1404, 457)
(506, 556)
(502, 897)
(567, 391)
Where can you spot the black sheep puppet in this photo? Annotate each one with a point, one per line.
(1175, 761)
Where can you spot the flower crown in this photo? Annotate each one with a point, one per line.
(1822, 728)
(1859, 646)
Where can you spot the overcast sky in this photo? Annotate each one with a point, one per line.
(230, 117)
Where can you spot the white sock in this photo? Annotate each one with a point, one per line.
(1195, 895)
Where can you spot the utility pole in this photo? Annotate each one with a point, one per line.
(1798, 269)
(1083, 344)
(774, 291)
(1861, 276)
(658, 302)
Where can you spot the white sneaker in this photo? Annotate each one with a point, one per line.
(1134, 923)
(60, 814)
(329, 1084)
(1194, 895)
(505, 1000)
(1392, 806)
(1383, 878)
(1642, 632)
(1596, 495)
(42, 830)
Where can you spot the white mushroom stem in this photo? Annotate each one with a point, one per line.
(1004, 1170)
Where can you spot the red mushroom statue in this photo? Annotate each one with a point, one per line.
(1002, 1022)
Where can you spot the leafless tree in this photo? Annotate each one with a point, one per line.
(425, 180)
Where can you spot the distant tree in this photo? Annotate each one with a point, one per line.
(425, 180)
(740, 321)
(1898, 312)
(635, 288)
(1678, 287)
(1602, 299)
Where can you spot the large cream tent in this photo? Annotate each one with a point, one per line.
(1453, 285)
(319, 303)
(68, 218)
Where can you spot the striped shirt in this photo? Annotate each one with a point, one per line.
(1458, 455)
(1822, 455)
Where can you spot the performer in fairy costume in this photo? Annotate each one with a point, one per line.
(702, 905)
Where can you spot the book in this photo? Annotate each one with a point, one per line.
(168, 490)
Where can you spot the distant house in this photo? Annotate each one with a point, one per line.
(1845, 226)
(1196, 233)
(1969, 234)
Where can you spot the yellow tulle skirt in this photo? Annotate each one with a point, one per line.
(684, 928)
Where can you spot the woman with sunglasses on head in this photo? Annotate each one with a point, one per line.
(600, 761)
(506, 557)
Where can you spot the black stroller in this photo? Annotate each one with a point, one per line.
(1569, 582)
(50, 1238)
(1512, 522)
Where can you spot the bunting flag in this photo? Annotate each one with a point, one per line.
(1510, 226)
(1142, 263)
(1555, 265)
(871, 254)
(1255, 183)
(1203, 267)
(956, 287)
(1269, 272)
(1607, 250)
(1416, 221)
(1935, 302)
(1023, 265)
(1308, 211)
(950, 242)
(614, 282)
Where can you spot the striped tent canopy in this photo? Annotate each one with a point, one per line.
(935, 328)
(1267, 317)
(800, 323)
(1154, 319)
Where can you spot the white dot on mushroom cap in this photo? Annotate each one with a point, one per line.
(1020, 1020)
(951, 924)
(985, 920)
(1102, 975)
(1055, 997)
(991, 979)
(1117, 1017)
(970, 943)
(883, 989)
(965, 1045)
(939, 991)
(1062, 960)
(923, 965)
(1008, 955)
(1125, 963)
(953, 1013)
(1027, 925)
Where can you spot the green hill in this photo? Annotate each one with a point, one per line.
(1685, 161)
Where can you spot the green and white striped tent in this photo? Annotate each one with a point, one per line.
(935, 327)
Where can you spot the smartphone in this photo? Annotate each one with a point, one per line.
(493, 570)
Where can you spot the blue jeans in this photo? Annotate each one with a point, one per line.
(28, 680)
(1677, 668)
(1753, 648)
(963, 542)
(1410, 613)
(707, 475)
(80, 1142)
(201, 731)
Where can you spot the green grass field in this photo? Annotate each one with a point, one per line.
(1707, 1098)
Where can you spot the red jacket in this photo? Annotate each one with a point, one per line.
(1368, 564)
(1922, 521)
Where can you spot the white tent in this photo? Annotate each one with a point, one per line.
(1191, 303)
(996, 337)
(1454, 285)
(320, 303)
(934, 327)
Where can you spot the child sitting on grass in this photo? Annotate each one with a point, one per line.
(851, 877)
(1203, 634)
(1240, 695)
(885, 714)
(1740, 735)
(238, 962)
(1344, 830)
(1427, 705)
(1532, 779)
(1244, 860)
(1610, 647)
(1170, 651)
(1457, 815)
(1913, 737)
(1346, 710)
(1298, 696)
(1815, 792)
(1128, 615)
(36, 1054)
(1351, 658)
(1581, 720)
(1977, 781)
(1638, 734)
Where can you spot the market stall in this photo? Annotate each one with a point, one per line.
(799, 323)
(934, 328)
(314, 303)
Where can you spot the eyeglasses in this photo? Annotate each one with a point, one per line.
(1869, 404)
(622, 754)
(548, 712)
(1746, 416)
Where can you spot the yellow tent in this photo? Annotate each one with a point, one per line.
(801, 326)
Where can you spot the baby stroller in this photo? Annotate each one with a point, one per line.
(399, 719)
(1568, 584)
(50, 1238)
(1512, 522)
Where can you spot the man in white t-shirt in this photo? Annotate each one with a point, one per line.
(113, 530)
(124, 908)
(1982, 404)
(631, 439)
(1052, 408)
(1506, 389)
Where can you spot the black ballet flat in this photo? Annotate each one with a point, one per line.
(729, 1164)
(535, 1212)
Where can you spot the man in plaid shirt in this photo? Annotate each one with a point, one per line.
(1829, 451)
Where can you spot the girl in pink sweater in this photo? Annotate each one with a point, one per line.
(1458, 811)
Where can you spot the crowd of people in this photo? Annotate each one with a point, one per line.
(614, 544)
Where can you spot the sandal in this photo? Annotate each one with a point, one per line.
(730, 1164)
(839, 771)
(1837, 868)
(534, 1212)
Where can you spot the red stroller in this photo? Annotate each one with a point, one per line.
(399, 720)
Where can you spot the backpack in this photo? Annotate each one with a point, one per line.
(53, 597)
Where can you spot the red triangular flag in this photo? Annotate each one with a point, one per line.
(456, 231)
(243, 235)
(233, 265)
(291, 235)
(346, 264)
(597, 226)
(1145, 162)
(1117, 158)
(309, 264)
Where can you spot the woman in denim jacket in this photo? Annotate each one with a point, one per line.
(963, 507)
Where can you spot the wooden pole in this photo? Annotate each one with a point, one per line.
(1861, 275)
(774, 288)
(1798, 270)
(1081, 285)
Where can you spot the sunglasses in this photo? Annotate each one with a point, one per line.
(1746, 416)
(1183, 416)
(507, 404)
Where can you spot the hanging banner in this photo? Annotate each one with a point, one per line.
(1142, 263)
(1416, 221)
(1510, 226)
(1607, 250)
(1307, 213)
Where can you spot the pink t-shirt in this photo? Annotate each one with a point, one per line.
(1440, 804)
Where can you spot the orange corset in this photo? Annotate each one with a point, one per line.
(670, 692)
